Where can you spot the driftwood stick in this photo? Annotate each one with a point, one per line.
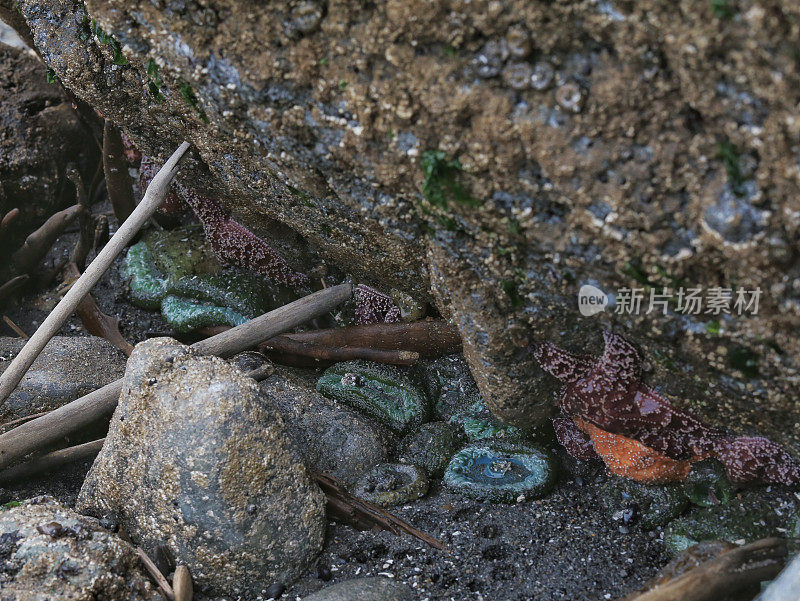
(48, 429)
(51, 461)
(431, 338)
(182, 584)
(115, 166)
(86, 234)
(155, 573)
(785, 585)
(53, 322)
(281, 346)
(35, 247)
(349, 508)
(723, 576)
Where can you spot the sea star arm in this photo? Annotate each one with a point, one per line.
(563, 365)
(235, 244)
(576, 442)
(620, 362)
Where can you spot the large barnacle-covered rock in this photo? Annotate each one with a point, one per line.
(197, 459)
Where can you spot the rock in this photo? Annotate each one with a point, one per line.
(198, 460)
(40, 135)
(390, 484)
(177, 272)
(449, 385)
(747, 519)
(501, 472)
(332, 120)
(431, 447)
(68, 368)
(332, 438)
(52, 553)
(383, 392)
(376, 588)
(648, 506)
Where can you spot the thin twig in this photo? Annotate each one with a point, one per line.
(13, 285)
(115, 166)
(86, 230)
(35, 247)
(161, 581)
(362, 514)
(21, 420)
(429, 338)
(95, 321)
(17, 330)
(8, 219)
(72, 417)
(724, 575)
(58, 316)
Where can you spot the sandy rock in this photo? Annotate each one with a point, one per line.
(198, 460)
(364, 589)
(51, 553)
(332, 438)
(68, 368)
(321, 130)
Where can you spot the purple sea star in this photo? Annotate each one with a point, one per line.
(233, 243)
(607, 391)
(373, 306)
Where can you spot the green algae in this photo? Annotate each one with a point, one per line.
(383, 392)
(441, 180)
(649, 506)
(501, 472)
(177, 273)
(392, 484)
(707, 484)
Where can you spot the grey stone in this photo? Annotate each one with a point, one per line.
(198, 460)
(364, 589)
(334, 439)
(51, 553)
(68, 368)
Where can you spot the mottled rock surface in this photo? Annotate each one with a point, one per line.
(51, 553)
(68, 368)
(364, 589)
(40, 134)
(198, 460)
(491, 156)
(332, 438)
